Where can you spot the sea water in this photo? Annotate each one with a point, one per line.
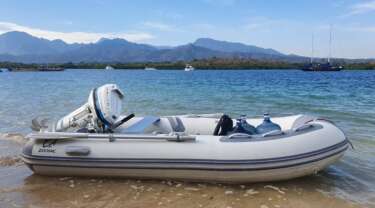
(346, 97)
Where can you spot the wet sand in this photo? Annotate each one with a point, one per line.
(20, 188)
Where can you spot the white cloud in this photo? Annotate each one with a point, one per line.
(363, 7)
(73, 37)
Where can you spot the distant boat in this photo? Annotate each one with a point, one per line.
(51, 69)
(150, 68)
(4, 70)
(108, 67)
(189, 67)
(322, 66)
(56, 69)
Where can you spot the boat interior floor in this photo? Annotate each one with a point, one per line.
(205, 126)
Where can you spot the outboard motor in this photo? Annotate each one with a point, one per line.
(267, 125)
(101, 113)
(243, 127)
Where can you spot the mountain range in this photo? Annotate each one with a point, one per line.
(21, 47)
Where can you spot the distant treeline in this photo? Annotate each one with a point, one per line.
(212, 63)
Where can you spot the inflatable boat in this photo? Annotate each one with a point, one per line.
(95, 140)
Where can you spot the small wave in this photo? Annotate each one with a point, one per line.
(14, 137)
(10, 161)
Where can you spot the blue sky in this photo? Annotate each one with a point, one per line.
(286, 26)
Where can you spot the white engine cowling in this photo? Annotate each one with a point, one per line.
(103, 110)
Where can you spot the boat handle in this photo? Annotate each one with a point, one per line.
(303, 127)
(77, 150)
(112, 137)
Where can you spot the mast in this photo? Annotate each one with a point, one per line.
(312, 49)
(330, 44)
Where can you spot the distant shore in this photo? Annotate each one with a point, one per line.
(213, 63)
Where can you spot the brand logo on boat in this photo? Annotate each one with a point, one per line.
(49, 143)
(48, 146)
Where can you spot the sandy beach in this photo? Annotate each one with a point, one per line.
(19, 188)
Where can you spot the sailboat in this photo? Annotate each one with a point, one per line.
(322, 66)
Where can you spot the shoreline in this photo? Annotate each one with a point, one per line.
(207, 64)
(181, 69)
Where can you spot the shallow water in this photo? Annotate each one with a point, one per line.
(347, 98)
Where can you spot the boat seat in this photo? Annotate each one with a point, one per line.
(176, 124)
(140, 126)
